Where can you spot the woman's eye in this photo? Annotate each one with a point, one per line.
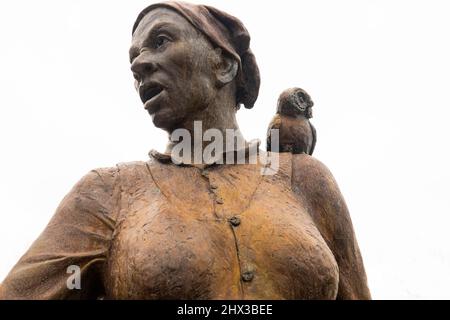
(160, 41)
(136, 76)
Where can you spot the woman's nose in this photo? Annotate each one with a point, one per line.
(142, 66)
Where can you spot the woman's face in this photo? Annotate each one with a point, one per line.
(173, 65)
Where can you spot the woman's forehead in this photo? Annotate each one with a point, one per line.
(162, 15)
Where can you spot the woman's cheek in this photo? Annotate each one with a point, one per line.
(179, 57)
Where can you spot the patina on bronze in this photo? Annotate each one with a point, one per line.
(156, 230)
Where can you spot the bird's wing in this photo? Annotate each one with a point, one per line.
(274, 124)
(314, 136)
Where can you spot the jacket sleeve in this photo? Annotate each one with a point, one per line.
(75, 242)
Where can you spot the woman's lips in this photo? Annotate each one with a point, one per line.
(150, 105)
(149, 93)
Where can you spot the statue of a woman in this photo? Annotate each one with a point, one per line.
(208, 230)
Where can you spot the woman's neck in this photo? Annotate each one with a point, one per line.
(212, 127)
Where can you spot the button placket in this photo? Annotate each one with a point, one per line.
(214, 189)
(229, 213)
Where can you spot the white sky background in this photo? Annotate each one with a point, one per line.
(378, 72)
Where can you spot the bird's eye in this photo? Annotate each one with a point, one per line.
(160, 41)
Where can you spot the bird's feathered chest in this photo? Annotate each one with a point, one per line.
(295, 129)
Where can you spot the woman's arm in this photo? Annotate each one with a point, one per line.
(78, 235)
(312, 181)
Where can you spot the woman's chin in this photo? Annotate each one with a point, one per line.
(163, 119)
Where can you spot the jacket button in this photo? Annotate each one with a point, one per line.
(247, 276)
(235, 221)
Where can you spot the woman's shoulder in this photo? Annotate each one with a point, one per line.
(313, 179)
(107, 178)
(310, 168)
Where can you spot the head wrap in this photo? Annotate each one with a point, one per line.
(226, 32)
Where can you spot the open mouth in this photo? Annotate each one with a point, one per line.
(150, 91)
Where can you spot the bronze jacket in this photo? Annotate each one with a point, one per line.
(155, 230)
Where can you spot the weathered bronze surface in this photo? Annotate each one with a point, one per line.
(156, 230)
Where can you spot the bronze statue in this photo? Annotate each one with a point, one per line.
(208, 230)
(296, 132)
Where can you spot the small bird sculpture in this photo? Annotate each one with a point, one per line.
(296, 133)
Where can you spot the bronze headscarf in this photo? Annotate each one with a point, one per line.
(226, 32)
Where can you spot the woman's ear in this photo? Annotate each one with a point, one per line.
(226, 68)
